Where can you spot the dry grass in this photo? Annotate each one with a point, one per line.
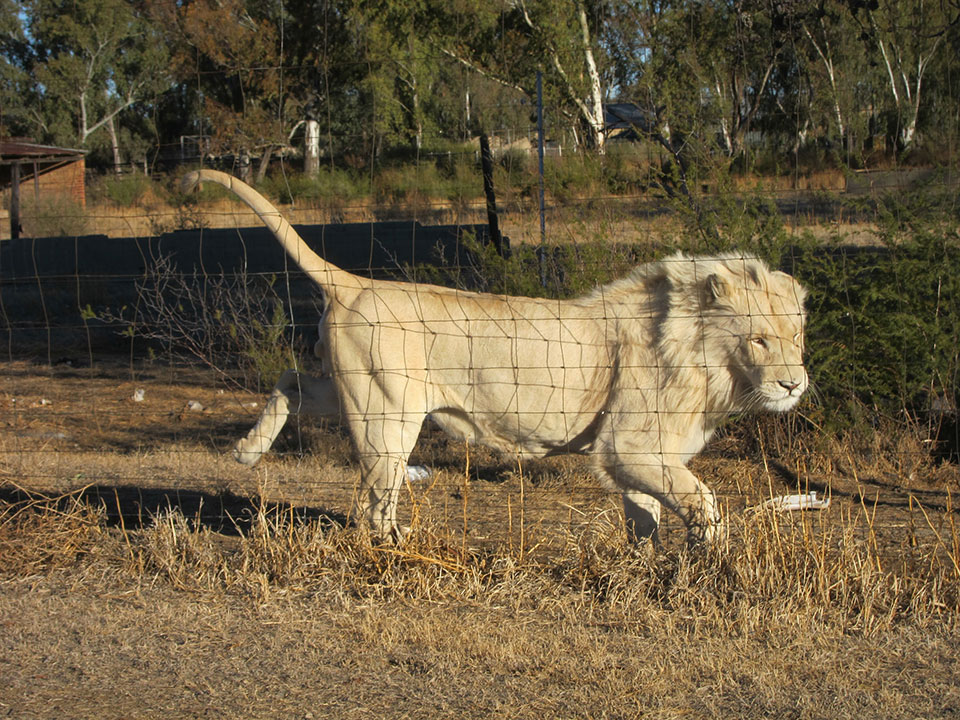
(41, 533)
(770, 570)
(142, 574)
(790, 617)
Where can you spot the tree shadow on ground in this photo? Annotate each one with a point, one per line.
(133, 508)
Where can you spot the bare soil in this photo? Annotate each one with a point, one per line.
(190, 586)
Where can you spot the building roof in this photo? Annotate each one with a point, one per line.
(20, 149)
(34, 160)
(623, 120)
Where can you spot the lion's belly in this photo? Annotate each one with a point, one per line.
(519, 383)
(552, 433)
(537, 410)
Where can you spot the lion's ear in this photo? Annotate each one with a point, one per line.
(715, 288)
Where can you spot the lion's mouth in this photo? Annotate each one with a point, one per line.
(782, 396)
(782, 403)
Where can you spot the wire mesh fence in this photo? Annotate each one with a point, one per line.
(199, 429)
(135, 364)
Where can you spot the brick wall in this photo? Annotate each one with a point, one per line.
(67, 180)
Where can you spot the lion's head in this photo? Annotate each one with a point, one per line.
(750, 326)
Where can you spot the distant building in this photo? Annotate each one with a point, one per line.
(625, 121)
(29, 170)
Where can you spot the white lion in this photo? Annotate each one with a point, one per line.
(637, 374)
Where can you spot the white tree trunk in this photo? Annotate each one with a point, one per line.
(114, 146)
(595, 113)
(311, 148)
(591, 112)
(906, 98)
(826, 57)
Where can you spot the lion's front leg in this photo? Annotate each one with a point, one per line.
(646, 479)
(383, 445)
(307, 394)
(692, 500)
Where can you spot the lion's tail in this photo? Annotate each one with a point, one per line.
(325, 274)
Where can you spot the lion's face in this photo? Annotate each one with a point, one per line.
(768, 357)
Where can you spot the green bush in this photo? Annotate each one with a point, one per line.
(235, 324)
(884, 327)
(558, 271)
(330, 186)
(409, 183)
(126, 190)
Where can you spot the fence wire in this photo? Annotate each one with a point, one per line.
(134, 364)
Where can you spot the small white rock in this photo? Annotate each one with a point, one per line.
(194, 406)
(418, 473)
(138, 395)
(800, 501)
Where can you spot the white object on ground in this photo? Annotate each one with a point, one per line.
(138, 395)
(418, 473)
(800, 501)
(194, 406)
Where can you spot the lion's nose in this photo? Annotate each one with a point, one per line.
(789, 385)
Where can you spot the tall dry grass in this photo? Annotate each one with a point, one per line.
(770, 572)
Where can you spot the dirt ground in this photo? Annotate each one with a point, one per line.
(76, 646)
(529, 620)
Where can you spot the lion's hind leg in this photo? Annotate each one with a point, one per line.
(641, 513)
(299, 392)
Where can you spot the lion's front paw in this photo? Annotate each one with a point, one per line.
(705, 533)
(393, 536)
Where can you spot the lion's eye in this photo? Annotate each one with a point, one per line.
(759, 342)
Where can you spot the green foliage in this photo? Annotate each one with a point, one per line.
(626, 168)
(235, 324)
(457, 178)
(574, 176)
(128, 190)
(264, 345)
(91, 60)
(829, 81)
(884, 327)
(527, 270)
(331, 186)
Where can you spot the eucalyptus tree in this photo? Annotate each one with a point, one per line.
(510, 40)
(231, 49)
(401, 74)
(323, 71)
(906, 38)
(829, 57)
(16, 64)
(92, 60)
(269, 75)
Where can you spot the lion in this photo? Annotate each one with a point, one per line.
(636, 374)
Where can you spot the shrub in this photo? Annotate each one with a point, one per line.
(884, 324)
(53, 215)
(127, 190)
(330, 186)
(236, 325)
